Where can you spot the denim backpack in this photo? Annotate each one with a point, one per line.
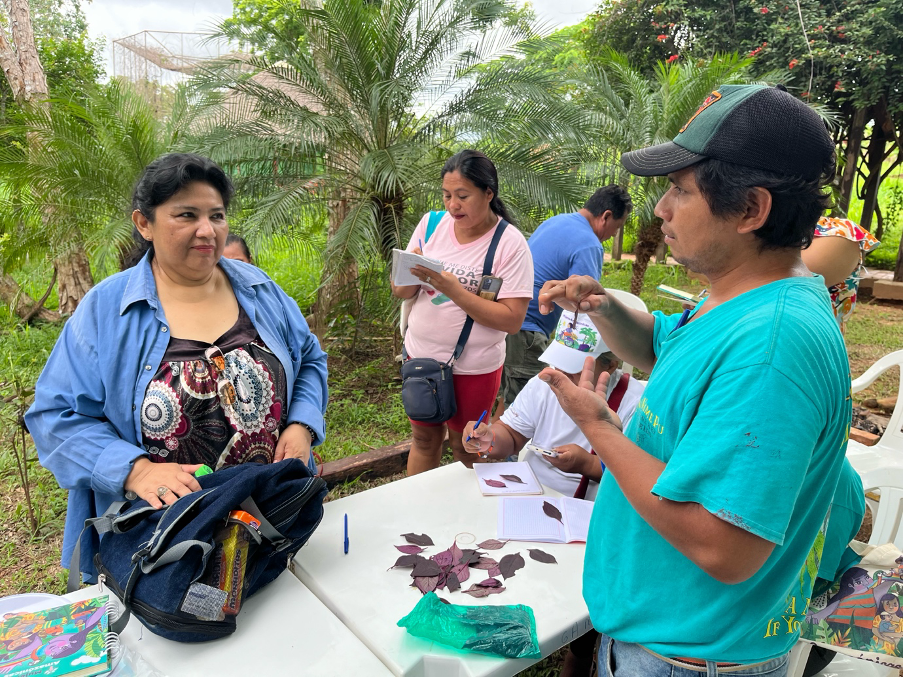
(154, 560)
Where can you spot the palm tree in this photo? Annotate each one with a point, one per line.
(83, 166)
(353, 128)
(636, 111)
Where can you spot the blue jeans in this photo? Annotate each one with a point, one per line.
(629, 659)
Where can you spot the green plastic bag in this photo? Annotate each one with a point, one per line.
(505, 630)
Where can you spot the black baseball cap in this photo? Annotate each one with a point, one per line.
(750, 125)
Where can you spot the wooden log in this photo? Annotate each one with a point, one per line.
(384, 461)
(864, 437)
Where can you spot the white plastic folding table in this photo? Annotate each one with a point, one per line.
(281, 631)
(369, 598)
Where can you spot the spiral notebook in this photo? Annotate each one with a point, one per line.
(68, 640)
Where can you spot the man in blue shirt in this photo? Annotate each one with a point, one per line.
(562, 246)
(709, 525)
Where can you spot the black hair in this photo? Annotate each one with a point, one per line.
(888, 597)
(477, 168)
(162, 179)
(797, 203)
(846, 583)
(612, 198)
(233, 239)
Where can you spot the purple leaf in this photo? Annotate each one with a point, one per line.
(483, 592)
(406, 561)
(456, 553)
(443, 559)
(514, 479)
(511, 564)
(467, 555)
(418, 539)
(491, 544)
(542, 556)
(494, 483)
(425, 568)
(462, 571)
(485, 564)
(552, 511)
(489, 583)
(452, 582)
(443, 600)
(426, 584)
(494, 572)
(410, 549)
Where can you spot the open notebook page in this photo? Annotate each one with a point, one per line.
(403, 262)
(522, 519)
(577, 517)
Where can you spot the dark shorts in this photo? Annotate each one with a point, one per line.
(522, 353)
(474, 393)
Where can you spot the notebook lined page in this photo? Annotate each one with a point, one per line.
(522, 519)
(577, 517)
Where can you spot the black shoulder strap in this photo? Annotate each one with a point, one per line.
(487, 270)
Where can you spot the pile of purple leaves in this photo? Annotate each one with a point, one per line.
(451, 568)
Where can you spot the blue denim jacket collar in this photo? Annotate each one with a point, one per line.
(142, 287)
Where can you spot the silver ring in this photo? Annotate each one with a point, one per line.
(427, 280)
(162, 490)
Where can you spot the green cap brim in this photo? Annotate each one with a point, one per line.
(657, 161)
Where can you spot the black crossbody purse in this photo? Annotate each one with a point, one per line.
(427, 391)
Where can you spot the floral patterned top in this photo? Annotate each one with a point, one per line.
(844, 294)
(218, 404)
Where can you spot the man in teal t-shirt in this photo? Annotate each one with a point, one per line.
(708, 529)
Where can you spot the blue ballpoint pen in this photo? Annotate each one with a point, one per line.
(683, 320)
(476, 424)
(345, 544)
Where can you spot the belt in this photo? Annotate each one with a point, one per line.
(700, 664)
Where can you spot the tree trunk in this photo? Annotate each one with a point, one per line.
(22, 66)
(662, 253)
(897, 275)
(33, 83)
(23, 305)
(75, 279)
(338, 287)
(851, 159)
(875, 156)
(618, 243)
(648, 239)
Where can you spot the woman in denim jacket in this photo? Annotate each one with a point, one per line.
(185, 359)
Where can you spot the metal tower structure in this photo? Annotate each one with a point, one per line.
(157, 59)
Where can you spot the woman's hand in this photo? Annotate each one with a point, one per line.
(294, 443)
(584, 403)
(580, 292)
(444, 283)
(146, 478)
(575, 459)
(481, 441)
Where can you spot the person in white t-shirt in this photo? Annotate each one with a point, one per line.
(536, 415)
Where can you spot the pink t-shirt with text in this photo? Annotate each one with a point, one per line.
(435, 321)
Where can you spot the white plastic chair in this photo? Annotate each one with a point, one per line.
(631, 301)
(892, 440)
(881, 465)
(887, 511)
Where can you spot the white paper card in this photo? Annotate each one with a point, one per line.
(491, 481)
(403, 262)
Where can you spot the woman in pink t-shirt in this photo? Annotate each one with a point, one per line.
(443, 302)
